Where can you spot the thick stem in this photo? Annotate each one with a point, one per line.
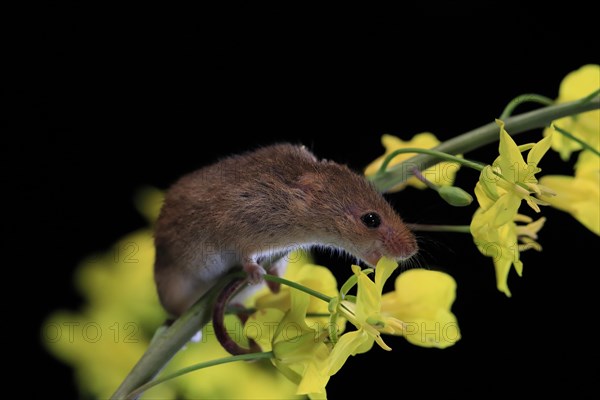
(167, 344)
(481, 136)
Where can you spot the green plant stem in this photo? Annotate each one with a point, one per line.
(295, 285)
(417, 174)
(432, 152)
(251, 310)
(318, 315)
(352, 281)
(524, 98)
(195, 367)
(167, 344)
(583, 144)
(239, 310)
(440, 228)
(590, 96)
(481, 136)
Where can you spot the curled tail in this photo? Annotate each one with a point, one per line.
(219, 319)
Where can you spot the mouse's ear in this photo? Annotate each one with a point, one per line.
(309, 183)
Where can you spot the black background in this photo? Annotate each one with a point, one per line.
(107, 102)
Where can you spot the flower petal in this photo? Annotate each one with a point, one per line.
(368, 298)
(314, 380)
(502, 266)
(384, 269)
(585, 126)
(588, 165)
(381, 343)
(349, 344)
(265, 322)
(504, 210)
(539, 149)
(419, 293)
(422, 300)
(580, 83)
(578, 196)
(486, 196)
(440, 332)
(510, 158)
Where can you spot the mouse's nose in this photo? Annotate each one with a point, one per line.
(400, 244)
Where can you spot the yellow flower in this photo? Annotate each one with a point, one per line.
(499, 191)
(510, 179)
(366, 315)
(419, 310)
(505, 242)
(586, 126)
(578, 195)
(281, 324)
(422, 300)
(441, 174)
(300, 269)
(108, 336)
(300, 352)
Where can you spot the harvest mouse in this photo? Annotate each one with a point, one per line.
(247, 208)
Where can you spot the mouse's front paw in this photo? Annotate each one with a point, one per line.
(255, 272)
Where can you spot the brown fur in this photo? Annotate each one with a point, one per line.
(269, 201)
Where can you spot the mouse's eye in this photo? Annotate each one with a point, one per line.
(371, 220)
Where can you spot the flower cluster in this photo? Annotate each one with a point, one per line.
(498, 229)
(419, 310)
(500, 190)
(308, 339)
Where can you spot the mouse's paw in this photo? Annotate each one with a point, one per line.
(255, 272)
(277, 269)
